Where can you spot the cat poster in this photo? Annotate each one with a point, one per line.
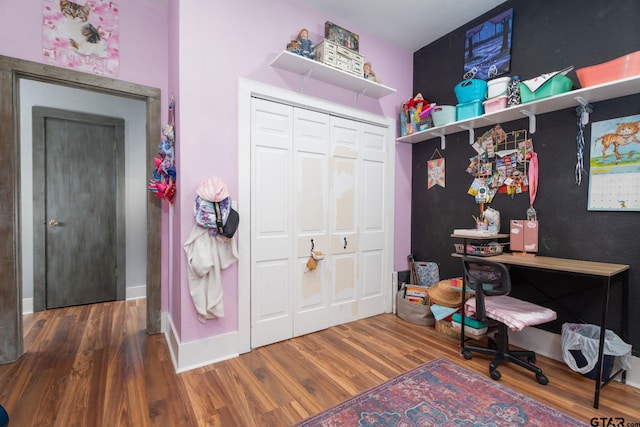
(81, 35)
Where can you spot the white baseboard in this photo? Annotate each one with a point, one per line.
(195, 354)
(133, 292)
(550, 345)
(136, 292)
(27, 305)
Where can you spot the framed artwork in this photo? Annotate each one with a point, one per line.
(487, 48)
(341, 36)
(614, 165)
(82, 35)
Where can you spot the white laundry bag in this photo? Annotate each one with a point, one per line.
(586, 338)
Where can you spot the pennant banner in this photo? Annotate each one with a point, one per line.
(435, 174)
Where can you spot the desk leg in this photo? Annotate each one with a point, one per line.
(625, 314)
(603, 328)
(464, 287)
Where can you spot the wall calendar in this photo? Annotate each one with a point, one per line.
(614, 166)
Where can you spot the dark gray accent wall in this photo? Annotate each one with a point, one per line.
(547, 36)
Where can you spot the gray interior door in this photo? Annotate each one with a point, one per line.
(78, 208)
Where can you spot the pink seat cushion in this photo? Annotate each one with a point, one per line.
(514, 313)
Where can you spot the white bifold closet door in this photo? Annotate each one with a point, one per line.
(317, 181)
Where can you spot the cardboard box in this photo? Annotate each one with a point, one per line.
(523, 235)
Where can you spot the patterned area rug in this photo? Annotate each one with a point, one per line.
(440, 393)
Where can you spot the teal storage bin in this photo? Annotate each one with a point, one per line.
(470, 90)
(443, 114)
(554, 86)
(469, 110)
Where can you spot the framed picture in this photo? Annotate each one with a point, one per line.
(614, 166)
(341, 36)
(487, 48)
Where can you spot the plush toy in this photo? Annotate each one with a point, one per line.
(312, 262)
(306, 45)
(294, 47)
(369, 74)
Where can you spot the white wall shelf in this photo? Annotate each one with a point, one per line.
(308, 68)
(616, 89)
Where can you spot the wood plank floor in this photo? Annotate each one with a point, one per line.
(95, 366)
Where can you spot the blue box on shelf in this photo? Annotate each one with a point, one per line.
(469, 109)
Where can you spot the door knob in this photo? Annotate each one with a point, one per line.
(54, 223)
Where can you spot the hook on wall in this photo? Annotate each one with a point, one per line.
(312, 245)
(345, 243)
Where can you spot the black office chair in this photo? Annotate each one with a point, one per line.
(492, 283)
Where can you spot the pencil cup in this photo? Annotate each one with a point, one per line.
(481, 225)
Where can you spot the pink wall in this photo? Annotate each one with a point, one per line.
(197, 50)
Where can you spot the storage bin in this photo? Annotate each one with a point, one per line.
(470, 90)
(495, 104)
(619, 68)
(443, 114)
(418, 314)
(497, 87)
(554, 86)
(468, 110)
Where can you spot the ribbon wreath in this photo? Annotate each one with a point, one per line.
(163, 182)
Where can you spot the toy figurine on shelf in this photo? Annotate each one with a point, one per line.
(306, 45)
(369, 74)
(294, 47)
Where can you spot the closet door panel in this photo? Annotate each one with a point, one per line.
(311, 190)
(344, 184)
(373, 200)
(271, 223)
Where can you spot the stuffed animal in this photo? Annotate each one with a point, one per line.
(312, 262)
(369, 74)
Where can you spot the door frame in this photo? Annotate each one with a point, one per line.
(11, 71)
(246, 90)
(39, 116)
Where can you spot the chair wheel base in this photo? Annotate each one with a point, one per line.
(542, 379)
(495, 374)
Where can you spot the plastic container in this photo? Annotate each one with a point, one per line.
(554, 86)
(470, 90)
(495, 104)
(443, 114)
(497, 87)
(468, 110)
(619, 68)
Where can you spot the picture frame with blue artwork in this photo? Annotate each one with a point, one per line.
(487, 48)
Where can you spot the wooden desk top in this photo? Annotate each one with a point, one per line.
(562, 264)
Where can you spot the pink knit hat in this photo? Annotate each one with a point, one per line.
(213, 189)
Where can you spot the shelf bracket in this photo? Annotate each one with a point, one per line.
(532, 120)
(472, 137)
(584, 109)
(357, 95)
(443, 141)
(303, 78)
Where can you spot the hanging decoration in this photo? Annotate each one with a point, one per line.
(582, 111)
(502, 166)
(435, 171)
(163, 183)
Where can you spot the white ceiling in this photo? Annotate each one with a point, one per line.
(409, 24)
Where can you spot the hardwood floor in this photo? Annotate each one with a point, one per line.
(95, 366)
